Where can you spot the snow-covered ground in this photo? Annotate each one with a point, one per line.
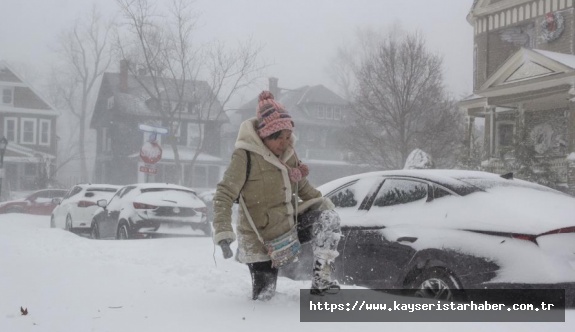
(71, 283)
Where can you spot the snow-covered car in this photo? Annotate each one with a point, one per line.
(434, 231)
(75, 210)
(145, 209)
(39, 202)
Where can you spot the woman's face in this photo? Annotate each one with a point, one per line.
(278, 145)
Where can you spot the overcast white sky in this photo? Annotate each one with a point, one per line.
(300, 36)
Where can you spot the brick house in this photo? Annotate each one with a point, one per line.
(123, 105)
(28, 122)
(319, 116)
(524, 77)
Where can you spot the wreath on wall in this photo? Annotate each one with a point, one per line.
(542, 136)
(552, 26)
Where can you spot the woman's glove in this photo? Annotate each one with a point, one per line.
(226, 251)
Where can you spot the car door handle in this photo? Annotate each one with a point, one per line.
(407, 239)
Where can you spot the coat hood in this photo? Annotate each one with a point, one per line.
(248, 139)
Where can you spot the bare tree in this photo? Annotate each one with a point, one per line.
(85, 54)
(162, 46)
(400, 104)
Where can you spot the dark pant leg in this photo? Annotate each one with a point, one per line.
(305, 225)
(264, 279)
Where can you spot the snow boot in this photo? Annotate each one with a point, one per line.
(321, 281)
(264, 280)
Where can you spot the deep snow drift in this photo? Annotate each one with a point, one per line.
(71, 283)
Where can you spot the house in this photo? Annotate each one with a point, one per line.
(524, 79)
(319, 115)
(29, 125)
(123, 105)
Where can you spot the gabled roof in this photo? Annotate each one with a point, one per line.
(485, 7)
(296, 100)
(34, 102)
(541, 69)
(135, 100)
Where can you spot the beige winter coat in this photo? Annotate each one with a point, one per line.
(267, 194)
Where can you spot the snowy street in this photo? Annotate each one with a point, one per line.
(71, 283)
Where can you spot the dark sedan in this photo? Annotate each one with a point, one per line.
(434, 231)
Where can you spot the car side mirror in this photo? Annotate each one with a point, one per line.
(56, 200)
(102, 203)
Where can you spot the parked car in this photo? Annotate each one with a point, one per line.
(75, 210)
(208, 198)
(435, 231)
(145, 209)
(39, 202)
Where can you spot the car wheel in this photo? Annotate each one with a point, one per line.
(123, 232)
(94, 231)
(68, 223)
(438, 283)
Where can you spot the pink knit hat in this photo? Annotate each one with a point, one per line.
(272, 116)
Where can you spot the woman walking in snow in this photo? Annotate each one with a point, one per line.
(265, 170)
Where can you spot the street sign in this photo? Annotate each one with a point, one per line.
(152, 129)
(148, 169)
(151, 152)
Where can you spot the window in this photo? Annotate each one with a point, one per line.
(111, 102)
(194, 134)
(345, 197)
(321, 112)
(72, 192)
(106, 141)
(337, 114)
(193, 107)
(357, 194)
(7, 96)
(10, 129)
(439, 192)
(45, 132)
(28, 131)
(505, 133)
(329, 113)
(399, 191)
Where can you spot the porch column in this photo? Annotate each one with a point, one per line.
(469, 134)
(520, 121)
(491, 111)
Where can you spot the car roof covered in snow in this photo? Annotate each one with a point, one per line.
(457, 180)
(161, 185)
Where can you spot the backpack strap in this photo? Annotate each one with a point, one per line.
(248, 170)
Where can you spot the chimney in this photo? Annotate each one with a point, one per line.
(273, 87)
(123, 75)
